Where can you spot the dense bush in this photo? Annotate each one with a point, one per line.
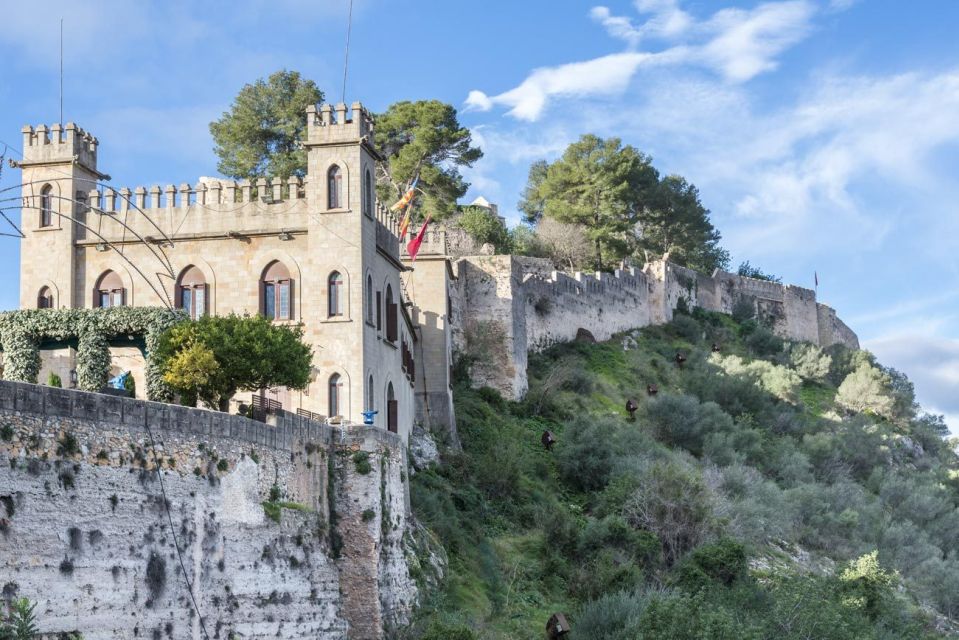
(747, 450)
(809, 361)
(682, 421)
(867, 389)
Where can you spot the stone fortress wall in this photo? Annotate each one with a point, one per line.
(510, 306)
(85, 531)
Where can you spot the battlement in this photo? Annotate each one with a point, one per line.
(268, 191)
(59, 144)
(434, 242)
(329, 124)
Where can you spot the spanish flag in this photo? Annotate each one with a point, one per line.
(414, 246)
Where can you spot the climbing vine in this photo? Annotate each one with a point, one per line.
(21, 333)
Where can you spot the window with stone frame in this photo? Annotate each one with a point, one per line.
(368, 193)
(276, 292)
(333, 393)
(391, 316)
(46, 206)
(336, 301)
(109, 291)
(392, 410)
(334, 182)
(370, 309)
(191, 292)
(370, 395)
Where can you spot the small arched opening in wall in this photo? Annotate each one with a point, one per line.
(192, 292)
(392, 410)
(46, 299)
(368, 198)
(109, 290)
(334, 396)
(370, 396)
(370, 306)
(46, 206)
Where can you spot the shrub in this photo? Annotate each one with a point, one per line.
(21, 624)
(6, 432)
(222, 466)
(672, 616)
(866, 585)
(721, 562)
(866, 390)
(368, 514)
(615, 616)
(442, 631)
(774, 379)
(53, 380)
(809, 361)
(674, 504)
(682, 421)
(585, 458)
(687, 328)
(361, 459)
(68, 445)
(764, 342)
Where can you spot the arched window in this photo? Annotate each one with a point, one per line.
(46, 206)
(334, 395)
(276, 291)
(369, 299)
(109, 291)
(334, 187)
(370, 395)
(45, 298)
(392, 410)
(391, 312)
(368, 193)
(191, 292)
(335, 301)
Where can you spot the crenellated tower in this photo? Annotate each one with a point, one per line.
(59, 171)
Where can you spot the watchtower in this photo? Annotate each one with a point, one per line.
(59, 171)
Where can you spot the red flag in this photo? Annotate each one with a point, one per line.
(414, 246)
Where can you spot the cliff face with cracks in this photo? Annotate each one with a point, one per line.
(287, 531)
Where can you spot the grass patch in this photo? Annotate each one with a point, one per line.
(273, 510)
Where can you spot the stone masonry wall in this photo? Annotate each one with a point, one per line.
(533, 307)
(85, 530)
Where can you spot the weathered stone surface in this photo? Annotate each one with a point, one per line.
(423, 449)
(88, 534)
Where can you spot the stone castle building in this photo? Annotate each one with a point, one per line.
(320, 251)
(323, 252)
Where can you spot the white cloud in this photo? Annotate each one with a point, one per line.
(601, 76)
(747, 43)
(667, 21)
(738, 44)
(931, 363)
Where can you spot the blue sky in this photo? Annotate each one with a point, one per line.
(823, 134)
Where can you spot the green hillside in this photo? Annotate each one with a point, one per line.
(769, 490)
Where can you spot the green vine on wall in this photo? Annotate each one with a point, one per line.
(21, 333)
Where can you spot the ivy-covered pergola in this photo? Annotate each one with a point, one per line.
(24, 332)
